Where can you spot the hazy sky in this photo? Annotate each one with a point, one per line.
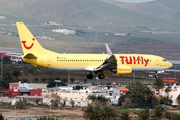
(135, 1)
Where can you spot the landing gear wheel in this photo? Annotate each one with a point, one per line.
(101, 76)
(89, 76)
(156, 76)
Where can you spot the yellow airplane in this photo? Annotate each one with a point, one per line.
(100, 64)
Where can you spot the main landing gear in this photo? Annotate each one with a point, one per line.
(100, 76)
(90, 76)
(156, 75)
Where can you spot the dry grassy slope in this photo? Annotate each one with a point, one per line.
(91, 13)
(72, 12)
(169, 9)
(61, 46)
(145, 46)
(82, 13)
(8, 42)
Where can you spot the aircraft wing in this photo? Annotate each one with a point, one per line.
(109, 63)
(172, 70)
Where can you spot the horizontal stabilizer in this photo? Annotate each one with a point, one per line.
(30, 56)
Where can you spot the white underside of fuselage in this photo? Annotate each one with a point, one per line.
(91, 68)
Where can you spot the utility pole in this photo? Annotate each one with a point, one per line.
(134, 76)
(69, 78)
(1, 67)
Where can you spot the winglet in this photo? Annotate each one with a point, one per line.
(108, 50)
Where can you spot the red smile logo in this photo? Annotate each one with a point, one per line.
(28, 47)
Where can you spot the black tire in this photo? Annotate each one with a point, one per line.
(156, 76)
(89, 76)
(101, 76)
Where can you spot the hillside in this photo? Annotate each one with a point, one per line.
(165, 9)
(94, 13)
(146, 27)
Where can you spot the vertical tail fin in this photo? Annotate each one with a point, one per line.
(28, 42)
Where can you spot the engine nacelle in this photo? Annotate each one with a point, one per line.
(122, 70)
(162, 71)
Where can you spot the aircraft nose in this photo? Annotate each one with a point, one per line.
(170, 64)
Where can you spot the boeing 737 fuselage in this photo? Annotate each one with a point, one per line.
(100, 64)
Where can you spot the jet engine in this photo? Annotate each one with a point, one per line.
(122, 70)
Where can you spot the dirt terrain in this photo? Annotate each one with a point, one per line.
(35, 112)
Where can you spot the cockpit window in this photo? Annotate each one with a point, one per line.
(164, 60)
